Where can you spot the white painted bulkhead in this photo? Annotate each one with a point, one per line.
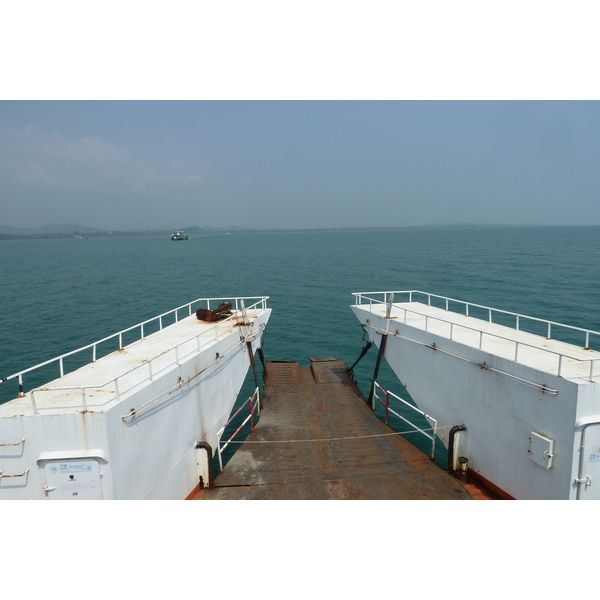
(100, 454)
(502, 409)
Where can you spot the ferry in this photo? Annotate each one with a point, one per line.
(178, 236)
(140, 422)
(512, 397)
(516, 395)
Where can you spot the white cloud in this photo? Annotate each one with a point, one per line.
(31, 157)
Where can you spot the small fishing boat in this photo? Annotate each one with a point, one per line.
(178, 236)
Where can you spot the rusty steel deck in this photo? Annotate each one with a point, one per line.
(320, 403)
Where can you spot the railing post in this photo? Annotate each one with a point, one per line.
(83, 399)
(120, 341)
(560, 357)
(33, 405)
(549, 327)
(117, 389)
(60, 363)
(517, 327)
(21, 394)
(387, 406)
(219, 434)
(433, 440)
(94, 353)
(251, 413)
(587, 340)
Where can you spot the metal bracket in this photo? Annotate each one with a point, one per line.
(15, 444)
(19, 475)
(587, 481)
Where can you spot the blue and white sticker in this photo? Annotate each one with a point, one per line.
(74, 468)
(595, 457)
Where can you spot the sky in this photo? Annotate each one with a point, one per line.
(298, 164)
(299, 115)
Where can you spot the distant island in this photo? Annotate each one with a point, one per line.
(76, 231)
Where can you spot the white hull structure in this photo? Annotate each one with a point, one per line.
(529, 403)
(128, 425)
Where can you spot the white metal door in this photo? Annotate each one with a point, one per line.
(589, 477)
(73, 479)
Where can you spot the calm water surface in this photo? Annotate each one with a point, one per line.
(58, 295)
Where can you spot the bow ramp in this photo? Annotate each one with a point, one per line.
(318, 439)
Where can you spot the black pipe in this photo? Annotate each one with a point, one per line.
(376, 372)
(261, 355)
(453, 432)
(251, 355)
(211, 478)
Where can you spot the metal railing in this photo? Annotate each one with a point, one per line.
(250, 417)
(217, 329)
(365, 298)
(386, 405)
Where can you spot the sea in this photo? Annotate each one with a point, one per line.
(61, 294)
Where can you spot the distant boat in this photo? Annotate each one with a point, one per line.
(179, 236)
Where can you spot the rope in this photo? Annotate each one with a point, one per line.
(356, 437)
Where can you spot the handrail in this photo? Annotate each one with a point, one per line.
(250, 417)
(260, 304)
(388, 410)
(366, 295)
(560, 355)
(136, 411)
(17, 475)
(14, 444)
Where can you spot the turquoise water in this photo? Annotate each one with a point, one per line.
(58, 295)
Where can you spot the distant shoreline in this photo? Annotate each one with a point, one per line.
(197, 231)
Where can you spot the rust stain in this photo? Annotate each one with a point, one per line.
(296, 406)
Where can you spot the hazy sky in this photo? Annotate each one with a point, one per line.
(299, 114)
(319, 113)
(286, 164)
